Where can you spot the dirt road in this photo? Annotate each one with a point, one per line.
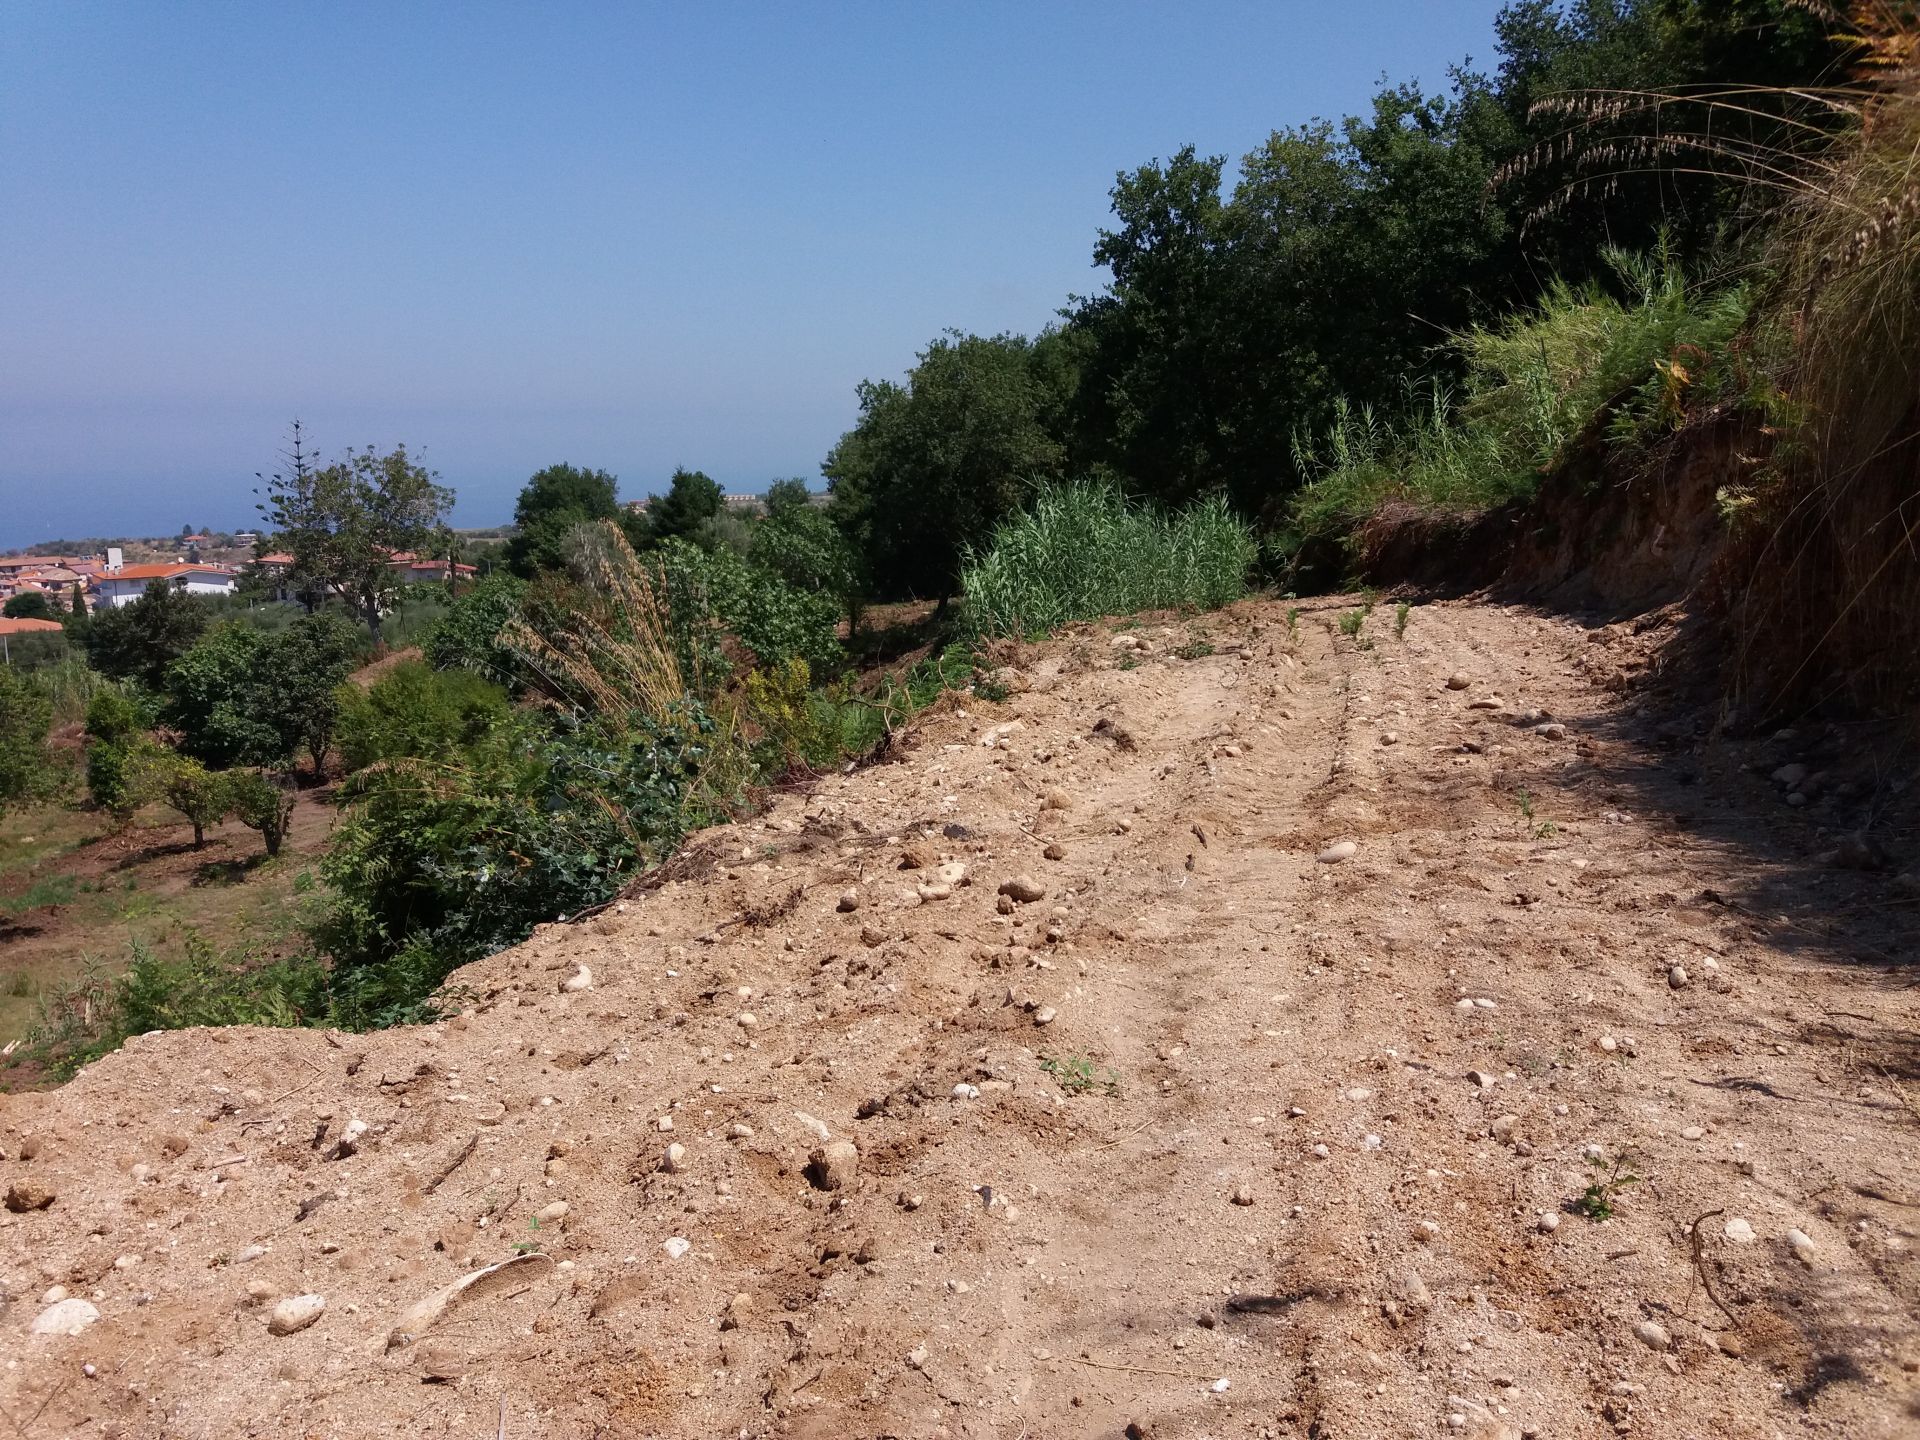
(1226, 1135)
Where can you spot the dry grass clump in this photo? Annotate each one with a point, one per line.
(610, 649)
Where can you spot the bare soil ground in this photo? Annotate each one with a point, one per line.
(1215, 1139)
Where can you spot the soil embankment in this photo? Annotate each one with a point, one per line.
(1216, 1137)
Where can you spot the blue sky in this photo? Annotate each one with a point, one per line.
(631, 236)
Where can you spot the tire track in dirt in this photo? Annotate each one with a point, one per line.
(1045, 1257)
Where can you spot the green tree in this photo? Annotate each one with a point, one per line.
(801, 546)
(343, 522)
(551, 503)
(691, 500)
(26, 715)
(117, 742)
(785, 495)
(212, 699)
(299, 682)
(241, 697)
(28, 605)
(261, 801)
(934, 464)
(201, 796)
(140, 641)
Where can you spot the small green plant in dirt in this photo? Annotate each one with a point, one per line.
(1351, 622)
(1400, 613)
(1293, 624)
(1540, 830)
(531, 1245)
(1596, 1201)
(1198, 648)
(1076, 1075)
(55, 890)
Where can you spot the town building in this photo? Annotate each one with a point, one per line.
(113, 588)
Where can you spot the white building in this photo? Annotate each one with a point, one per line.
(114, 588)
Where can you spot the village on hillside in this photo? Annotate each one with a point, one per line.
(72, 584)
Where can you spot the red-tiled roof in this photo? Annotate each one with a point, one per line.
(159, 572)
(21, 625)
(276, 559)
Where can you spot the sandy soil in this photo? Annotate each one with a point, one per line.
(1215, 1139)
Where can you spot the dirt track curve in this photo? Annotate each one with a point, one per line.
(1303, 1194)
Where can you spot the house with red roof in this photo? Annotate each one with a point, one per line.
(122, 586)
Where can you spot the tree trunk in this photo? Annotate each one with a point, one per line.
(272, 836)
(199, 836)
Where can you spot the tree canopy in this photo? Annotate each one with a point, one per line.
(28, 605)
(551, 503)
(1246, 304)
(26, 715)
(692, 499)
(342, 523)
(934, 464)
(141, 640)
(242, 697)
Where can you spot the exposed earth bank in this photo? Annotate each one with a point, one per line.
(1205, 1043)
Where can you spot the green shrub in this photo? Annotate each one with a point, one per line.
(208, 695)
(716, 591)
(466, 637)
(202, 796)
(261, 801)
(243, 697)
(1081, 552)
(415, 713)
(441, 862)
(1584, 367)
(799, 544)
(805, 731)
(117, 746)
(26, 714)
(83, 1020)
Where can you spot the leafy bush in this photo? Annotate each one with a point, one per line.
(440, 862)
(466, 637)
(240, 697)
(117, 744)
(28, 605)
(210, 695)
(805, 731)
(202, 796)
(774, 620)
(141, 640)
(26, 714)
(82, 1021)
(1081, 552)
(799, 544)
(262, 802)
(414, 713)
